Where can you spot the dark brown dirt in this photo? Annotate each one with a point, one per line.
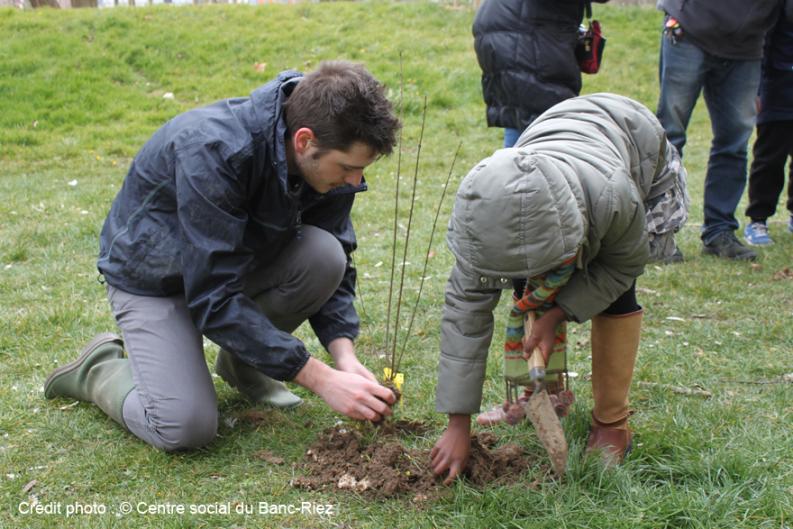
(341, 459)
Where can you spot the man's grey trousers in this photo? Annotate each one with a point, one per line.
(174, 405)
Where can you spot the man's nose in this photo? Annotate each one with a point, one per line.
(354, 178)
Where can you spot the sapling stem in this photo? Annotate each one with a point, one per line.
(427, 256)
(396, 215)
(407, 240)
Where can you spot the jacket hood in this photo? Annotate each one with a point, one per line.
(605, 122)
(515, 215)
(267, 100)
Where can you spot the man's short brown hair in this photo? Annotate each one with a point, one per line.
(342, 103)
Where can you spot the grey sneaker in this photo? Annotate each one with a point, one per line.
(726, 245)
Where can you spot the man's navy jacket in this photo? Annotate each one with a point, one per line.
(207, 200)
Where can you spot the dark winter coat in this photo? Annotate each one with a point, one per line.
(731, 29)
(526, 49)
(776, 83)
(206, 201)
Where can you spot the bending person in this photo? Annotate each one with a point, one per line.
(590, 192)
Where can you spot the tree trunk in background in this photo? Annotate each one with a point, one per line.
(45, 3)
(84, 3)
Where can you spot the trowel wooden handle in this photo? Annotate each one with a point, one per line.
(536, 359)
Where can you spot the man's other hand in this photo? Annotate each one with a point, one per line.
(351, 394)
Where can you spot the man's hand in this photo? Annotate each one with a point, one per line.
(452, 449)
(343, 352)
(348, 393)
(543, 332)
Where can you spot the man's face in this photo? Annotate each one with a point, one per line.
(325, 170)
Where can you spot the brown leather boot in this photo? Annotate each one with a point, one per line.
(614, 441)
(615, 341)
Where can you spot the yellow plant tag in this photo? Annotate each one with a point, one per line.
(398, 379)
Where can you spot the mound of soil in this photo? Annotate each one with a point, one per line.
(341, 459)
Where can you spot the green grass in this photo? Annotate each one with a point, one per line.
(81, 90)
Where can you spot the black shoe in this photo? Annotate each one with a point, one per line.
(725, 244)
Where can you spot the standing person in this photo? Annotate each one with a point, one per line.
(715, 48)
(774, 144)
(526, 49)
(233, 223)
(570, 208)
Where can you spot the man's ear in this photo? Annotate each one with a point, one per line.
(302, 139)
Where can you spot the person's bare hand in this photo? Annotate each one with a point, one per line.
(353, 395)
(543, 333)
(353, 365)
(451, 451)
(343, 353)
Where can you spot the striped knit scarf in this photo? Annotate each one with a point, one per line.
(538, 297)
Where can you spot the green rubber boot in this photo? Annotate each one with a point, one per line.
(254, 385)
(100, 375)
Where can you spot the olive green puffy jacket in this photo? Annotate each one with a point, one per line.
(576, 181)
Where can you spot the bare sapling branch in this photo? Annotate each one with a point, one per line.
(407, 240)
(427, 256)
(396, 215)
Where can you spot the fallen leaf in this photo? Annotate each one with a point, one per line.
(785, 273)
(27, 488)
(431, 254)
(260, 66)
(756, 267)
(168, 95)
(255, 416)
(266, 455)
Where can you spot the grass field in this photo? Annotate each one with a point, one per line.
(81, 90)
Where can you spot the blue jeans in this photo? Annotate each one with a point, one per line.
(730, 87)
(511, 137)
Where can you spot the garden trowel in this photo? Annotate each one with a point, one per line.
(541, 412)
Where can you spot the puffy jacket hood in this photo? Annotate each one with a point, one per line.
(601, 128)
(516, 216)
(524, 210)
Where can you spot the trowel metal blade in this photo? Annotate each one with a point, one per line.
(549, 430)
